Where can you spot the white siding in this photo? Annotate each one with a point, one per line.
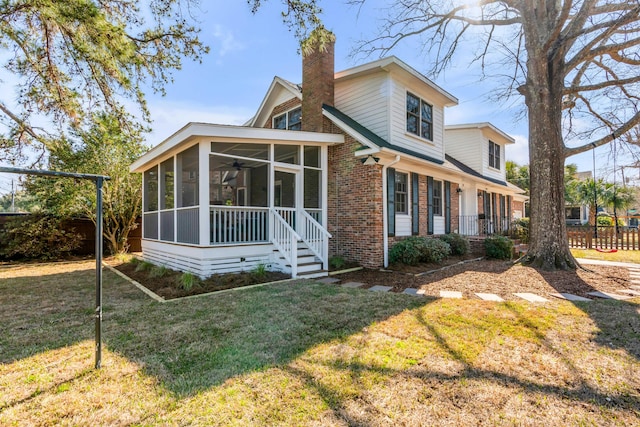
(489, 171)
(438, 225)
(366, 100)
(399, 134)
(465, 145)
(403, 225)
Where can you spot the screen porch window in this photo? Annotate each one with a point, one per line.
(401, 193)
(291, 120)
(419, 117)
(494, 155)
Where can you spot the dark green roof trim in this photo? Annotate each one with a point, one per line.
(373, 138)
(467, 169)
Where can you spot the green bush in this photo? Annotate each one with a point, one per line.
(605, 221)
(188, 281)
(499, 247)
(37, 237)
(520, 230)
(336, 262)
(413, 250)
(459, 244)
(259, 271)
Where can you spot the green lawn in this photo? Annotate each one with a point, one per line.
(308, 354)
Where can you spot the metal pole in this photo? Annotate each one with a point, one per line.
(595, 197)
(98, 312)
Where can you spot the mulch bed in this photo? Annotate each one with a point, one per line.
(493, 276)
(168, 285)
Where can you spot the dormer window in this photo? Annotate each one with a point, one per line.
(494, 155)
(419, 117)
(291, 120)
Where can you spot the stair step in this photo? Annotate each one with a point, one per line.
(313, 274)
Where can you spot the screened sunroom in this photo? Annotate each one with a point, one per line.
(226, 198)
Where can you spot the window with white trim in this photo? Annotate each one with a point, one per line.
(401, 193)
(419, 117)
(291, 120)
(437, 198)
(494, 155)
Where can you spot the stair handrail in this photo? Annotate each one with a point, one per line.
(321, 252)
(285, 239)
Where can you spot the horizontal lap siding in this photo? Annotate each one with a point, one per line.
(466, 145)
(366, 101)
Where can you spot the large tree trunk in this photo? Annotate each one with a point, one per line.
(548, 244)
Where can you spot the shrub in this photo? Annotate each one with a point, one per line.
(158, 271)
(413, 250)
(605, 221)
(37, 237)
(498, 247)
(435, 250)
(259, 271)
(336, 262)
(520, 230)
(407, 251)
(459, 244)
(144, 266)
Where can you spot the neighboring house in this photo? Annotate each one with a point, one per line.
(578, 214)
(345, 164)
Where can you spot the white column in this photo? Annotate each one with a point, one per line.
(203, 192)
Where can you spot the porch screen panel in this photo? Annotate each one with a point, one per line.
(150, 225)
(188, 226)
(166, 184)
(166, 226)
(429, 205)
(151, 189)
(391, 201)
(188, 172)
(447, 207)
(415, 205)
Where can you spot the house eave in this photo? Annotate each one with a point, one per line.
(507, 139)
(258, 119)
(207, 130)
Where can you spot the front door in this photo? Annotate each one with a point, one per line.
(285, 195)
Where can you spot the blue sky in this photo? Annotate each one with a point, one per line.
(248, 50)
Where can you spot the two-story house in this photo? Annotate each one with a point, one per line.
(344, 164)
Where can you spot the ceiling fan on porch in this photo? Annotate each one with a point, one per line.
(236, 165)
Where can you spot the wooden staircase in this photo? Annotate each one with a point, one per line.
(309, 266)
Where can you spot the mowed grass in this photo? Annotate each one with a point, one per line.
(308, 354)
(619, 256)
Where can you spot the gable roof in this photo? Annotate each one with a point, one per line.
(508, 139)
(277, 87)
(393, 63)
(473, 172)
(366, 137)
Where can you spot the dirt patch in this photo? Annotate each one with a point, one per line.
(492, 276)
(169, 286)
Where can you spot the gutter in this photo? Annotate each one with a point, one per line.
(385, 225)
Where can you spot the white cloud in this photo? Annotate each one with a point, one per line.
(518, 152)
(226, 41)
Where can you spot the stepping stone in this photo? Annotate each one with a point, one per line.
(352, 285)
(531, 297)
(608, 295)
(451, 294)
(328, 280)
(629, 291)
(379, 288)
(489, 297)
(413, 291)
(570, 297)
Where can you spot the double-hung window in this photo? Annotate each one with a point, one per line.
(291, 120)
(419, 117)
(494, 155)
(437, 198)
(401, 193)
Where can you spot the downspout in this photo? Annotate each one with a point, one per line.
(385, 225)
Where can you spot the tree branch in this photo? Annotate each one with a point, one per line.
(627, 126)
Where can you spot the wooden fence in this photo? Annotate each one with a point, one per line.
(584, 238)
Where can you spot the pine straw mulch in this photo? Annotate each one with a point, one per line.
(493, 276)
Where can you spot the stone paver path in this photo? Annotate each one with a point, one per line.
(451, 294)
(379, 288)
(608, 295)
(413, 291)
(328, 280)
(570, 297)
(489, 297)
(530, 297)
(352, 285)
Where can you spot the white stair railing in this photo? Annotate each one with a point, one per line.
(285, 239)
(315, 236)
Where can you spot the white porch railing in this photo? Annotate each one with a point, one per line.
(315, 236)
(285, 239)
(238, 224)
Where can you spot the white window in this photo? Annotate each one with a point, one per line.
(291, 120)
(494, 155)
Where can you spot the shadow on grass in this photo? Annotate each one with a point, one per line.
(189, 345)
(618, 322)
